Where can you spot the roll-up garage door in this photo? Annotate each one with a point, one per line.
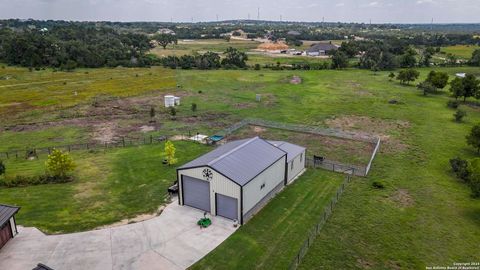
(196, 193)
(226, 206)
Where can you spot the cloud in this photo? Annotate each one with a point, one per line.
(373, 4)
(420, 2)
(340, 5)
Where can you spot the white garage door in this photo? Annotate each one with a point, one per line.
(226, 206)
(196, 193)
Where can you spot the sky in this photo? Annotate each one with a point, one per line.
(378, 11)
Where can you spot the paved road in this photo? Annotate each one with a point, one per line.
(169, 241)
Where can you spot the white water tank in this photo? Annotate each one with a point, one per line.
(169, 101)
(177, 101)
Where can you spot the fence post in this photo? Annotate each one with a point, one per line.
(69, 148)
(151, 139)
(16, 154)
(123, 141)
(6, 154)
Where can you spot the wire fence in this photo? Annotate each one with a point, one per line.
(312, 234)
(336, 166)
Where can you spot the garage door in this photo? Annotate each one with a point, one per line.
(5, 234)
(226, 206)
(196, 193)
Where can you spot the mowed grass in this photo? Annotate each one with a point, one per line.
(461, 51)
(203, 45)
(109, 186)
(271, 238)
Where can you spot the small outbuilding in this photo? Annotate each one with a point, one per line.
(8, 226)
(238, 178)
(321, 48)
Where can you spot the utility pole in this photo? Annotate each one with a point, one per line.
(280, 17)
(258, 13)
(217, 17)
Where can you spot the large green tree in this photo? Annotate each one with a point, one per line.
(234, 58)
(473, 138)
(165, 39)
(339, 60)
(456, 88)
(437, 79)
(407, 75)
(475, 60)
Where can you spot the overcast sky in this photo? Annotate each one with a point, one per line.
(379, 11)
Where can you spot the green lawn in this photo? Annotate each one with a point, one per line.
(272, 238)
(109, 186)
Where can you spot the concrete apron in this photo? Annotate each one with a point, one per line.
(172, 240)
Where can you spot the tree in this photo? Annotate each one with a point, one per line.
(459, 114)
(438, 79)
(391, 76)
(59, 164)
(474, 177)
(456, 87)
(471, 86)
(473, 139)
(409, 58)
(407, 75)
(172, 111)
(234, 58)
(427, 88)
(170, 153)
(165, 39)
(451, 59)
(475, 60)
(2, 168)
(152, 112)
(427, 56)
(339, 60)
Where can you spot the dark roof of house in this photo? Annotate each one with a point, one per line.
(42, 266)
(322, 46)
(240, 160)
(292, 150)
(6, 212)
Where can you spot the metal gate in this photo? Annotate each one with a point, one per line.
(226, 206)
(196, 193)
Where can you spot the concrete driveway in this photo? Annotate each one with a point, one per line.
(169, 241)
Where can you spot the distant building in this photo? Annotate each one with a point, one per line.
(293, 33)
(165, 31)
(460, 75)
(319, 49)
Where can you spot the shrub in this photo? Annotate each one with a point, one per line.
(170, 153)
(172, 111)
(257, 67)
(59, 164)
(460, 168)
(2, 168)
(194, 107)
(453, 104)
(378, 185)
(22, 181)
(459, 114)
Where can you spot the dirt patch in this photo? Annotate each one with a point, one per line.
(296, 80)
(402, 198)
(258, 129)
(273, 46)
(243, 105)
(146, 128)
(362, 93)
(269, 99)
(136, 219)
(364, 264)
(363, 126)
(104, 132)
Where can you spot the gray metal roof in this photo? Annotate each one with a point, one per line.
(292, 150)
(322, 46)
(240, 160)
(6, 212)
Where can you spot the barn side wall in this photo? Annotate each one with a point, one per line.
(298, 166)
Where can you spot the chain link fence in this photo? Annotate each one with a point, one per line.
(315, 230)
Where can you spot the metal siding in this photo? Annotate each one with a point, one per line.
(218, 184)
(196, 193)
(13, 226)
(298, 166)
(272, 177)
(227, 206)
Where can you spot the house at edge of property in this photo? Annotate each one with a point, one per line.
(238, 178)
(8, 226)
(321, 48)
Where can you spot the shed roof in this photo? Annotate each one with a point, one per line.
(240, 160)
(42, 266)
(322, 46)
(6, 212)
(292, 150)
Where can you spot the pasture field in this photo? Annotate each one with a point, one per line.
(461, 51)
(422, 217)
(203, 45)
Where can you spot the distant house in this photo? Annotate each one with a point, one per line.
(321, 48)
(165, 31)
(293, 33)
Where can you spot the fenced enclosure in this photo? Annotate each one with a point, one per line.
(325, 163)
(327, 212)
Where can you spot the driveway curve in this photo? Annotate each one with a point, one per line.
(169, 241)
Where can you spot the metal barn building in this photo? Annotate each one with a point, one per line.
(238, 178)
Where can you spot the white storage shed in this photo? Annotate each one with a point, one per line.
(238, 178)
